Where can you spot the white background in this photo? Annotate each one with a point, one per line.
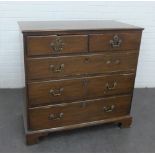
(11, 54)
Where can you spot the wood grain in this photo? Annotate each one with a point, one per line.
(40, 68)
(39, 93)
(79, 89)
(76, 25)
(41, 45)
(101, 42)
(75, 113)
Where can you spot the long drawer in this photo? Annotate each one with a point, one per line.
(57, 91)
(53, 44)
(78, 112)
(112, 41)
(64, 66)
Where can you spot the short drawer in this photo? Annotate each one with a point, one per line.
(114, 41)
(78, 112)
(64, 66)
(47, 45)
(57, 91)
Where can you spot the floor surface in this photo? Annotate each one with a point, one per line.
(103, 138)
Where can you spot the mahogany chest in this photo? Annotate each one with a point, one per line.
(78, 73)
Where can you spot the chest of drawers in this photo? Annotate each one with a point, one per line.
(78, 73)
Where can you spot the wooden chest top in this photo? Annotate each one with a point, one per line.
(36, 26)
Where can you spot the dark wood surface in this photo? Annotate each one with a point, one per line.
(110, 85)
(41, 45)
(101, 42)
(78, 89)
(33, 136)
(67, 66)
(33, 26)
(75, 69)
(79, 112)
(70, 89)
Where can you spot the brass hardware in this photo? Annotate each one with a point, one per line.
(86, 60)
(112, 87)
(109, 108)
(56, 92)
(108, 62)
(57, 69)
(56, 116)
(114, 62)
(116, 41)
(57, 45)
(117, 62)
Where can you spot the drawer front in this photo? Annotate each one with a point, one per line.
(110, 85)
(58, 67)
(114, 41)
(78, 112)
(45, 93)
(47, 45)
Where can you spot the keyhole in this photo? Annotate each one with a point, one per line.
(86, 60)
